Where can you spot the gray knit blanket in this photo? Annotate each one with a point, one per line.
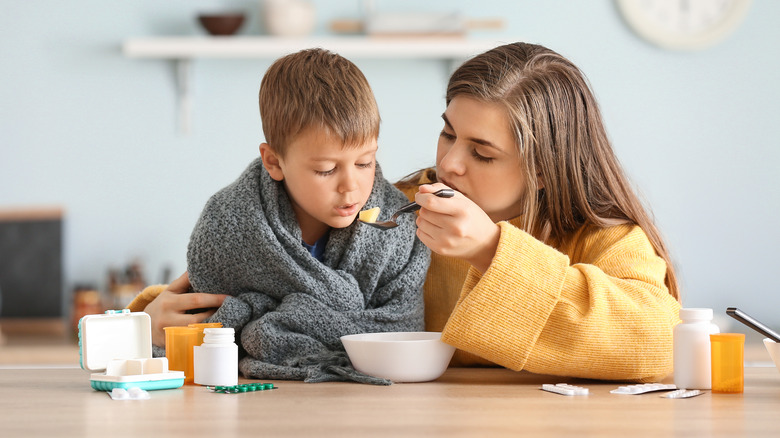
(288, 308)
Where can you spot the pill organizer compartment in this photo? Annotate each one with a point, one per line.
(120, 342)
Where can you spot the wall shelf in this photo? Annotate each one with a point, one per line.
(181, 50)
(445, 48)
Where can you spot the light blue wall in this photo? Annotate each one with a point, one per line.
(86, 128)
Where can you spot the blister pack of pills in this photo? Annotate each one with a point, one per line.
(683, 393)
(565, 389)
(643, 388)
(246, 387)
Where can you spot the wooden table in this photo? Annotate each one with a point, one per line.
(463, 402)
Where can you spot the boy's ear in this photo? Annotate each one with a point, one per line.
(271, 162)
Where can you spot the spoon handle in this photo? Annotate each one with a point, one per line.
(408, 208)
(445, 193)
(413, 206)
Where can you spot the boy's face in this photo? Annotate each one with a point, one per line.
(327, 183)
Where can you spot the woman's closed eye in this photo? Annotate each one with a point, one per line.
(480, 157)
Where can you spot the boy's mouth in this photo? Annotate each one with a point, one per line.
(348, 210)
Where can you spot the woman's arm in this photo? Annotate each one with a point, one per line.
(607, 315)
(601, 310)
(169, 305)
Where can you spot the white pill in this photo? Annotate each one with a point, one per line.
(119, 394)
(138, 393)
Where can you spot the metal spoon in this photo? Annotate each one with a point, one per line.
(408, 208)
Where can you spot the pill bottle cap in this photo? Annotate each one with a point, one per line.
(696, 314)
(218, 336)
(737, 338)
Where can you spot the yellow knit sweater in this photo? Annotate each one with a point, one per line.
(597, 307)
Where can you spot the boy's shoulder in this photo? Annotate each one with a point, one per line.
(246, 187)
(409, 184)
(408, 191)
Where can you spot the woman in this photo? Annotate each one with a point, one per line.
(562, 270)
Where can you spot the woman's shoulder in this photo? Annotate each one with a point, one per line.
(613, 232)
(593, 241)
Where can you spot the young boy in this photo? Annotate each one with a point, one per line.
(282, 240)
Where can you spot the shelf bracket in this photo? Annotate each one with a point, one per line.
(183, 93)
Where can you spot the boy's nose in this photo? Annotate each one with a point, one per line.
(348, 183)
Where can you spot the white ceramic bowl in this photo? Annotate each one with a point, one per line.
(399, 356)
(774, 350)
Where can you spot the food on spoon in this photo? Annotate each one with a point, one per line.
(369, 215)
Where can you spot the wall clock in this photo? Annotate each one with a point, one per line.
(683, 24)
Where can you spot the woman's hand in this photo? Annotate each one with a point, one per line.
(170, 308)
(456, 227)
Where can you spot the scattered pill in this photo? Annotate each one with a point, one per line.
(119, 394)
(134, 393)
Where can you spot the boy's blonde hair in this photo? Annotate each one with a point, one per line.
(320, 89)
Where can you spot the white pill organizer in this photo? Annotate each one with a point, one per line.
(119, 342)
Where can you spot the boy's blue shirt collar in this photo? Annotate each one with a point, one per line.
(318, 249)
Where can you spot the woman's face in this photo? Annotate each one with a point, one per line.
(477, 156)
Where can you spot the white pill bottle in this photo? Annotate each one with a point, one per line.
(215, 361)
(692, 360)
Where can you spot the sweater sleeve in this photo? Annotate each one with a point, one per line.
(608, 315)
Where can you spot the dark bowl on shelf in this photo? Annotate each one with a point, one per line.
(221, 24)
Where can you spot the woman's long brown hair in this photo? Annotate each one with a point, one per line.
(562, 141)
